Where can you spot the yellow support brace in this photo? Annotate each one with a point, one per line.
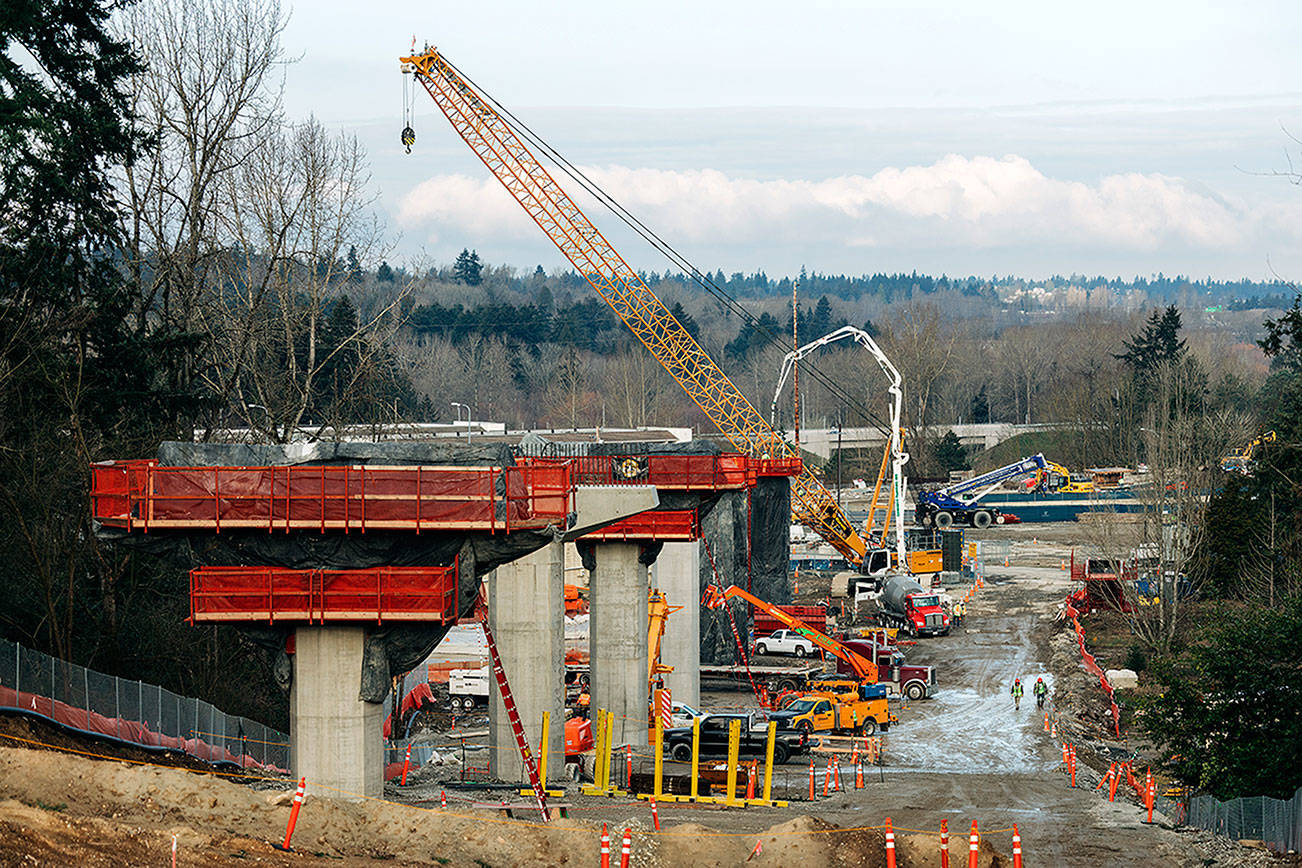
(734, 747)
(768, 771)
(696, 755)
(542, 759)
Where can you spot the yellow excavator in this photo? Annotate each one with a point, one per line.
(1058, 479)
(1242, 461)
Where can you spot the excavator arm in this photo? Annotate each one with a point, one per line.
(864, 669)
(496, 143)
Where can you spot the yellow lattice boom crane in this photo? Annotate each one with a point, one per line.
(495, 141)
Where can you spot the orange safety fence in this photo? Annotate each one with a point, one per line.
(1091, 665)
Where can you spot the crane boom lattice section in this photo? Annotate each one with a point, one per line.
(496, 143)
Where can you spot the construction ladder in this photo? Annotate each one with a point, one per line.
(526, 755)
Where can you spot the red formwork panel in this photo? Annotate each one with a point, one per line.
(141, 495)
(656, 525)
(275, 594)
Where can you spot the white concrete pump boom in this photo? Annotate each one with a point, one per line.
(896, 390)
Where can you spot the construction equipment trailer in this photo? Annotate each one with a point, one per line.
(960, 503)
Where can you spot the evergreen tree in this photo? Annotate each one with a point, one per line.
(468, 269)
(384, 273)
(950, 454)
(684, 319)
(980, 407)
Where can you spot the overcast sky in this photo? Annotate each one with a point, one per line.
(1024, 138)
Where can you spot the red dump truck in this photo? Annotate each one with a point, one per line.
(905, 604)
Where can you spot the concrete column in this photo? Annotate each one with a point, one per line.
(526, 610)
(336, 739)
(676, 573)
(617, 637)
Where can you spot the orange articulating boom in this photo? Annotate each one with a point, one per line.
(511, 162)
(864, 669)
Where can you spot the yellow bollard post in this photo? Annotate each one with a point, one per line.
(696, 754)
(598, 743)
(542, 760)
(734, 747)
(768, 760)
(611, 789)
(769, 749)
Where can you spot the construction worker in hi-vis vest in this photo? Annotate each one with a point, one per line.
(1041, 690)
(1017, 693)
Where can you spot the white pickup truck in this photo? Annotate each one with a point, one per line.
(785, 642)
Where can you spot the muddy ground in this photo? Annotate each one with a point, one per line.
(964, 755)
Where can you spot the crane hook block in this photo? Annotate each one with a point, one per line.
(408, 137)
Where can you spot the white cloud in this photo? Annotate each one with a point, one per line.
(957, 202)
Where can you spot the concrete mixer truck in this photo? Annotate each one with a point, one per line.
(905, 604)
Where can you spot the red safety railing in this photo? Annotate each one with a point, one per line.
(656, 525)
(728, 470)
(141, 495)
(275, 594)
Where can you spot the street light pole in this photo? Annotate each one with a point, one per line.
(839, 459)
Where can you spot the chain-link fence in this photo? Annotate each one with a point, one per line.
(133, 712)
(1277, 822)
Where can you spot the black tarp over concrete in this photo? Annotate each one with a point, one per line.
(747, 541)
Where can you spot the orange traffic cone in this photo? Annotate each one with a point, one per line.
(443, 798)
(836, 770)
(625, 848)
(655, 815)
(406, 764)
(1017, 848)
(605, 847)
(811, 780)
(858, 775)
(1046, 722)
(944, 844)
(890, 844)
(750, 782)
(973, 846)
(293, 814)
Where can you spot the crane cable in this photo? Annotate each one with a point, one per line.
(663, 247)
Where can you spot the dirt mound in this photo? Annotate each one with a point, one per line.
(64, 810)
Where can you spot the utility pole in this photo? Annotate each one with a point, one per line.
(840, 422)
